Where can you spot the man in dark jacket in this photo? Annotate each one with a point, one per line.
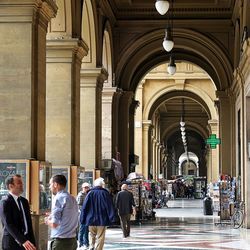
(15, 215)
(97, 212)
(125, 203)
(83, 235)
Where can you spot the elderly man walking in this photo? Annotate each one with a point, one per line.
(97, 212)
(125, 203)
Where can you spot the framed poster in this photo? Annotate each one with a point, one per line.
(40, 196)
(10, 168)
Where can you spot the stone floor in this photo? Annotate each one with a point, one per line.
(180, 226)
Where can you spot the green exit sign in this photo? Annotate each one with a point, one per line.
(213, 141)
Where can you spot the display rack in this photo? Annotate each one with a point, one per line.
(227, 190)
(142, 198)
(135, 188)
(199, 187)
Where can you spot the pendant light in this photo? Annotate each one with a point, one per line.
(162, 6)
(168, 42)
(171, 66)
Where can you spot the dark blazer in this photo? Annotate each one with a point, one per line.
(125, 202)
(13, 237)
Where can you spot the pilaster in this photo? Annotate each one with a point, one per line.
(91, 117)
(107, 98)
(134, 105)
(23, 74)
(115, 123)
(123, 147)
(225, 133)
(63, 101)
(213, 171)
(146, 125)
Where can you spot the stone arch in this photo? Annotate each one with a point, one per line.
(107, 54)
(194, 126)
(89, 34)
(147, 52)
(107, 93)
(202, 98)
(192, 157)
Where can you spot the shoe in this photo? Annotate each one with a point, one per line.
(83, 248)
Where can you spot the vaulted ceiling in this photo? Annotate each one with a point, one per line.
(193, 9)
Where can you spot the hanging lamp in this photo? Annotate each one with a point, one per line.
(162, 6)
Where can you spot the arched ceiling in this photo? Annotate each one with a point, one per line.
(203, 34)
(191, 46)
(173, 101)
(173, 108)
(195, 142)
(209, 9)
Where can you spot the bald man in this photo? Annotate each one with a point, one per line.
(124, 204)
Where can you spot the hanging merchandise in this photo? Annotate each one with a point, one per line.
(227, 193)
(143, 199)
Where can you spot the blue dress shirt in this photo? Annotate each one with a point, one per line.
(64, 213)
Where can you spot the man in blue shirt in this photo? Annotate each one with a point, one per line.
(63, 218)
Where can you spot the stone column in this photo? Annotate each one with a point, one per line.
(123, 146)
(246, 173)
(154, 161)
(63, 101)
(23, 28)
(132, 109)
(107, 98)
(138, 129)
(91, 117)
(225, 133)
(145, 144)
(213, 167)
(158, 167)
(115, 129)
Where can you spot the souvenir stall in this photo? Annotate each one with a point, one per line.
(142, 192)
(227, 197)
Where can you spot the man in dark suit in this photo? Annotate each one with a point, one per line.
(124, 204)
(16, 219)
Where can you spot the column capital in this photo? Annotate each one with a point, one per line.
(223, 94)
(108, 91)
(127, 97)
(63, 50)
(25, 11)
(134, 105)
(127, 94)
(93, 78)
(213, 122)
(214, 125)
(146, 124)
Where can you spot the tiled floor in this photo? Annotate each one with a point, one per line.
(181, 226)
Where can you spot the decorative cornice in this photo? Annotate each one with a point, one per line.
(69, 47)
(93, 78)
(26, 10)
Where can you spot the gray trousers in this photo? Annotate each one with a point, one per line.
(63, 244)
(125, 224)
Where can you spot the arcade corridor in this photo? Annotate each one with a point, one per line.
(86, 91)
